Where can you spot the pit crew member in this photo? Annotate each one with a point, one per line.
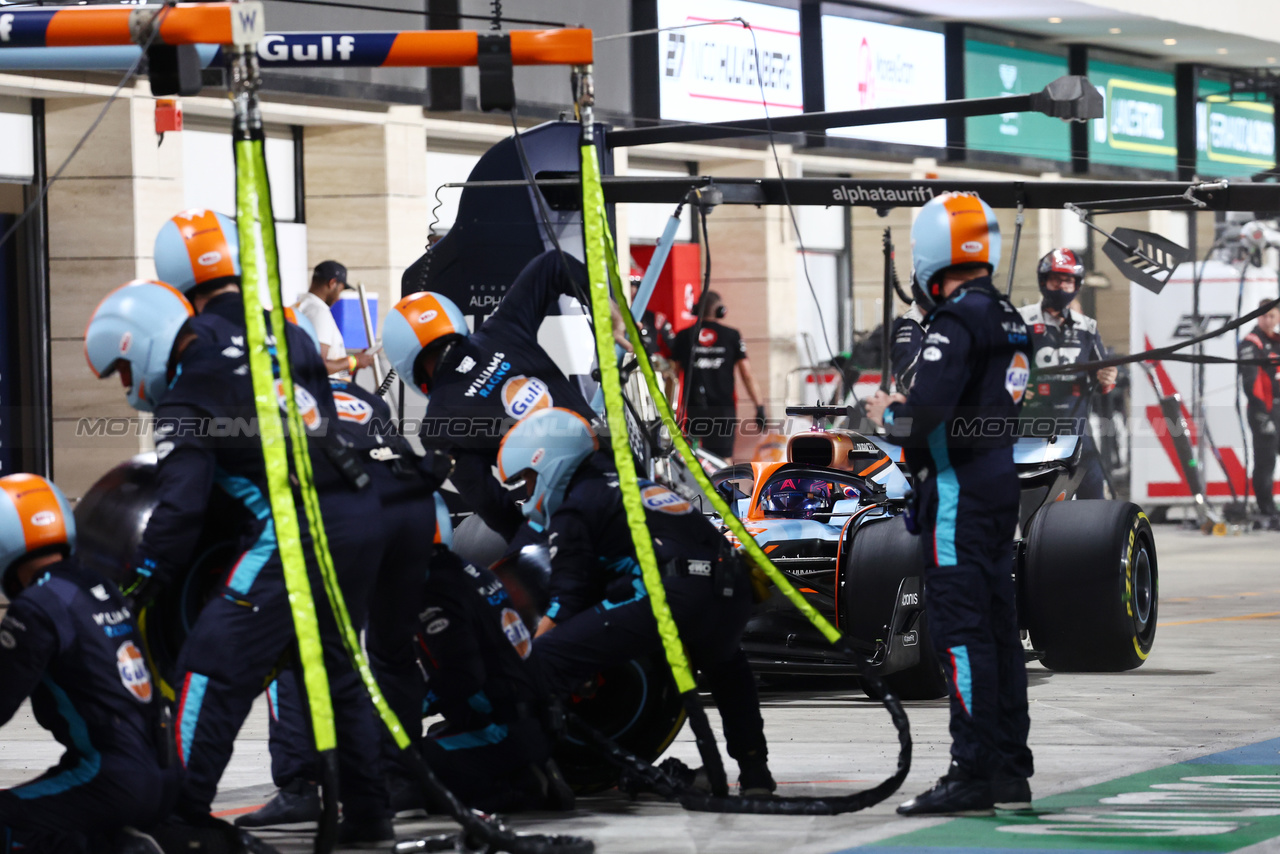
(68, 642)
(598, 614)
(193, 373)
(908, 340)
(972, 373)
(1060, 336)
(1262, 391)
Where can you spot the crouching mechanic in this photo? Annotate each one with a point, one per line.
(972, 373)
(193, 373)
(478, 383)
(1060, 336)
(599, 614)
(69, 643)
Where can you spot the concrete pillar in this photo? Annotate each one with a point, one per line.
(103, 216)
(367, 205)
(753, 268)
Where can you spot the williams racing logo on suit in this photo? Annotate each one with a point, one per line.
(522, 396)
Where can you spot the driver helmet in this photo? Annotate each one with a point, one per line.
(198, 247)
(35, 518)
(951, 230)
(543, 451)
(418, 324)
(133, 330)
(797, 497)
(1063, 262)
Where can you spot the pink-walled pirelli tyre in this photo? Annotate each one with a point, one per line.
(1089, 585)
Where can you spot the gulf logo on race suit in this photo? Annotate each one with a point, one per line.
(133, 671)
(308, 409)
(662, 500)
(522, 396)
(517, 632)
(1015, 378)
(352, 408)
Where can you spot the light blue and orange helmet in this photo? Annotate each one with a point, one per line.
(416, 323)
(132, 331)
(35, 518)
(546, 448)
(951, 230)
(198, 247)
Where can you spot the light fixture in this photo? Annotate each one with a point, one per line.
(1055, 20)
(1115, 31)
(1271, 60)
(1170, 41)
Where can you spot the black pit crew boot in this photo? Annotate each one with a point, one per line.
(1011, 793)
(299, 801)
(367, 833)
(958, 793)
(754, 780)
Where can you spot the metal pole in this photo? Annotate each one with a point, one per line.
(368, 333)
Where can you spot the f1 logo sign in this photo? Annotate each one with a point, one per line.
(248, 25)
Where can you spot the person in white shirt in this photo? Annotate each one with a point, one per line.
(328, 281)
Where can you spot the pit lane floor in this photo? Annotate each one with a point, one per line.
(1108, 747)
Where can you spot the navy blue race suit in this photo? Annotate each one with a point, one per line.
(599, 601)
(1063, 399)
(494, 378)
(1262, 392)
(471, 645)
(206, 435)
(957, 429)
(69, 643)
(904, 352)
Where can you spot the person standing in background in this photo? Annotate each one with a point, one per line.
(328, 281)
(1261, 390)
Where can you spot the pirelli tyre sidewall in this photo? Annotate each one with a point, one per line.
(1090, 585)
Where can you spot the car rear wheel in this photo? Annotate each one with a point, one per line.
(1090, 585)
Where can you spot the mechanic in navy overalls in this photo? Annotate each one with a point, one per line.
(907, 342)
(479, 384)
(957, 427)
(1060, 336)
(69, 643)
(599, 614)
(193, 373)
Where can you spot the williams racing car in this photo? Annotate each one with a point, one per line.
(828, 517)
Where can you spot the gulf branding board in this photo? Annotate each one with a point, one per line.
(1138, 129)
(718, 70)
(999, 70)
(868, 65)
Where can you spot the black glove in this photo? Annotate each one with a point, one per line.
(760, 418)
(435, 468)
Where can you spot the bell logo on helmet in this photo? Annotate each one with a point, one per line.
(517, 632)
(537, 456)
(133, 671)
(971, 247)
(428, 316)
(208, 259)
(522, 396)
(125, 340)
(1015, 378)
(44, 517)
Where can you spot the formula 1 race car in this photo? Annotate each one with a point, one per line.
(828, 517)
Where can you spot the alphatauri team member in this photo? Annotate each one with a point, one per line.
(599, 614)
(479, 383)
(1262, 391)
(709, 365)
(68, 642)
(974, 367)
(193, 371)
(1060, 336)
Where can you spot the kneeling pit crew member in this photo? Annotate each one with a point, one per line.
(973, 370)
(193, 371)
(1060, 336)
(478, 383)
(68, 641)
(599, 614)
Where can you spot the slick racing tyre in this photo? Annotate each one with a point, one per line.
(881, 555)
(110, 521)
(636, 704)
(1089, 585)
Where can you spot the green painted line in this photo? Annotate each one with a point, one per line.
(1217, 803)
